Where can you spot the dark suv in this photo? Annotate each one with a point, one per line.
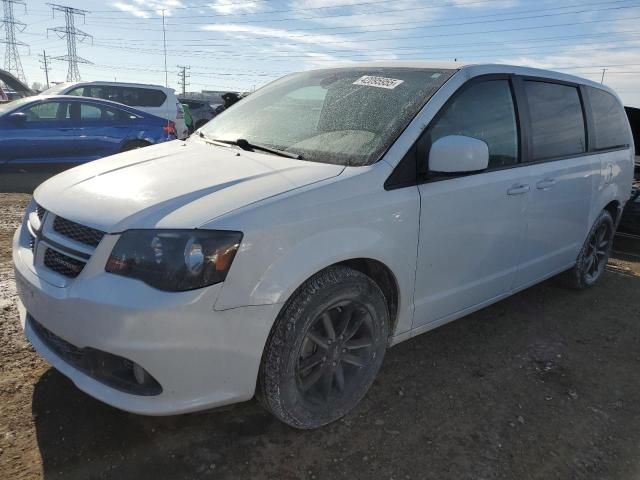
(630, 221)
(200, 110)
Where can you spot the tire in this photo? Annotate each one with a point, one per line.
(593, 256)
(134, 145)
(307, 383)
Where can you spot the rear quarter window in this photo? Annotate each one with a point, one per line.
(131, 96)
(610, 127)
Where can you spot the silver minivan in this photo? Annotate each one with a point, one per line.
(331, 214)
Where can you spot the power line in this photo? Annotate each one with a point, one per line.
(12, 61)
(350, 44)
(128, 42)
(536, 10)
(380, 39)
(395, 50)
(239, 74)
(367, 53)
(244, 3)
(380, 12)
(71, 33)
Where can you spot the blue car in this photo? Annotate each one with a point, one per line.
(41, 136)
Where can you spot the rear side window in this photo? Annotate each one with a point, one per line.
(132, 96)
(557, 122)
(484, 111)
(141, 97)
(90, 112)
(609, 120)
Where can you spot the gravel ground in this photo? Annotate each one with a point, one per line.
(542, 385)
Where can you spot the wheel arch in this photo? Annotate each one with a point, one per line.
(377, 271)
(614, 207)
(382, 275)
(608, 199)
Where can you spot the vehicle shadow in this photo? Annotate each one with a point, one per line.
(541, 385)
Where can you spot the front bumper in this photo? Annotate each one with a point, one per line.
(202, 358)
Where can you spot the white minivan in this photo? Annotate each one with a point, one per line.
(153, 99)
(331, 214)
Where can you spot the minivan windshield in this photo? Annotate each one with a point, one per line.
(346, 116)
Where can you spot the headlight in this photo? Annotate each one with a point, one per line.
(175, 260)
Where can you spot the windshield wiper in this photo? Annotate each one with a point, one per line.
(245, 145)
(250, 147)
(215, 140)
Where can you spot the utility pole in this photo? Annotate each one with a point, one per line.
(12, 61)
(182, 78)
(45, 65)
(602, 79)
(164, 43)
(72, 34)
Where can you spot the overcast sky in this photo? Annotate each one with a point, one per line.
(239, 45)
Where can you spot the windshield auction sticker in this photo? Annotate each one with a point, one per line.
(380, 82)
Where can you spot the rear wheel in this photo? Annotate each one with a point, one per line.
(135, 144)
(594, 255)
(325, 349)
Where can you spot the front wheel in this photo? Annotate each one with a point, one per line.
(325, 350)
(594, 255)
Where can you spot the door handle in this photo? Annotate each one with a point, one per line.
(518, 189)
(545, 184)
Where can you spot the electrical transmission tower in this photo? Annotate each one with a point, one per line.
(73, 35)
(12, 61)
(182, 78)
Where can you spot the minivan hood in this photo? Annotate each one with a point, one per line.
(173, 185)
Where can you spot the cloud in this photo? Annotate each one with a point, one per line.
(281, 34)
(146, 8)
(338, 13)
(622, 65)
(228, 7)
(483, 5)
(306, 49)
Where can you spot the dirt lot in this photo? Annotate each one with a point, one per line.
(543, 385)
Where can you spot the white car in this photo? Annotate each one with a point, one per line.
(154, 99)
(324, 218)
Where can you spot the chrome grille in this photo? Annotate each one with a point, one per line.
(62, 264)
(79, 233)
(59, 245)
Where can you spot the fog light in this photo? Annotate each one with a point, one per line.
(140, 374)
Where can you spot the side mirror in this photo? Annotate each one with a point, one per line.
(458, 154)
(18, 118)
